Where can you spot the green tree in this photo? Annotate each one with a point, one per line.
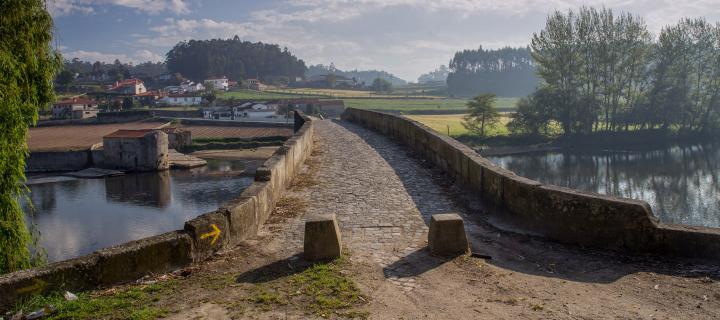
(532, 115)
(27, 68)
(65, 78)
(127, 103)
(210, 97)
(481, 114)
(381, 85)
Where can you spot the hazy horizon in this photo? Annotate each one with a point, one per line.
(404, 37)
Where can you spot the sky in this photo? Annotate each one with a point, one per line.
(404, 37)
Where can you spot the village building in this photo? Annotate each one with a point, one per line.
(252, 110)
(128, 87)
(180, 100)
(330, 81)
(75, 108)
(149, 98)
(136, 150)
(245, 111)
(218, 83)
(254, 84)
(218, 113)
(189, 86)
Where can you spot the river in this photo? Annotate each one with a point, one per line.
(75, 217)
(680, 182)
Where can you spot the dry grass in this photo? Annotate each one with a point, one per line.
(287, 207)
(306, 178)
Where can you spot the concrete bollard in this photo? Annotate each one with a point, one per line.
(447, 235)
(322, 238)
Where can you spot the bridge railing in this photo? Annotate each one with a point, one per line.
(200, 238)
(562, 214)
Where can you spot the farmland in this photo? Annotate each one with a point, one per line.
(235, 132)
(341, 93)
(411, 106)
(82, 137)
(252, 94)
(77, 137)
(453, 122)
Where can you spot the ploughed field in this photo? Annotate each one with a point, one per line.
(236, 132)
(78, 137)
(82, 137)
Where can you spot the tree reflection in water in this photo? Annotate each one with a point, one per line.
(680, 182)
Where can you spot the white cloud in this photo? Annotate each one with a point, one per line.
(138, 57)
(405, 37)
(68, 7)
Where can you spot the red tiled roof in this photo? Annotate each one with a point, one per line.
(150, 93)
(122, 133)
(125, 83)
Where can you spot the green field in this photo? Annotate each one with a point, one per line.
(418, 105)
(453, 122)
(344, 93)
(260, 95)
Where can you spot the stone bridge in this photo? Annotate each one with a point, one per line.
(384, 176)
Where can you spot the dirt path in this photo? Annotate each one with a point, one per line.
(383, 198)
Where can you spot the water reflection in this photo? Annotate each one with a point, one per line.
(680, 183)
(143, 189)
(78, 216)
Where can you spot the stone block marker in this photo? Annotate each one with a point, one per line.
(322, 238)
(447, 235)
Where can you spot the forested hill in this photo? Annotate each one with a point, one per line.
(366, 76)
(236, 59)
(507, 72)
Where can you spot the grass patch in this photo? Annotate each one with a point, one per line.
(326, 288)
(260, 95)
(127, 303)
(425, 106)
(321, 289)
(347, 93)
(441, 123)
(408, 105)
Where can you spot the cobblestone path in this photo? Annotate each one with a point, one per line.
(382, 197)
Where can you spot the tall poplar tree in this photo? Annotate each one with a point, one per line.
(27, 66)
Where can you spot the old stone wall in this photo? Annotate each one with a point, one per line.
(562, 214)
(148, 152)
(200, 238)
(58, 161)
(178, 138)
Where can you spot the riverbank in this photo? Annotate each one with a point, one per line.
(504, 145)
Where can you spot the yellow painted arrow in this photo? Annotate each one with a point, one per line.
(214, 234)
(37, 287)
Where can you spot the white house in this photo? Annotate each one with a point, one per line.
(219, 113)
(255, 110)
(129, 86)
(75, 108)
(189, 86)
(218, 83)
(180, 100)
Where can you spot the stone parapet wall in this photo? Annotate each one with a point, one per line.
(562, 214)
(48, 161)
(201, 237)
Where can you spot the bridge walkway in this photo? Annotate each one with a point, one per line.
(383, 197)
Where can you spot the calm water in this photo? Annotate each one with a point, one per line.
(680, 183)
(77, 216)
